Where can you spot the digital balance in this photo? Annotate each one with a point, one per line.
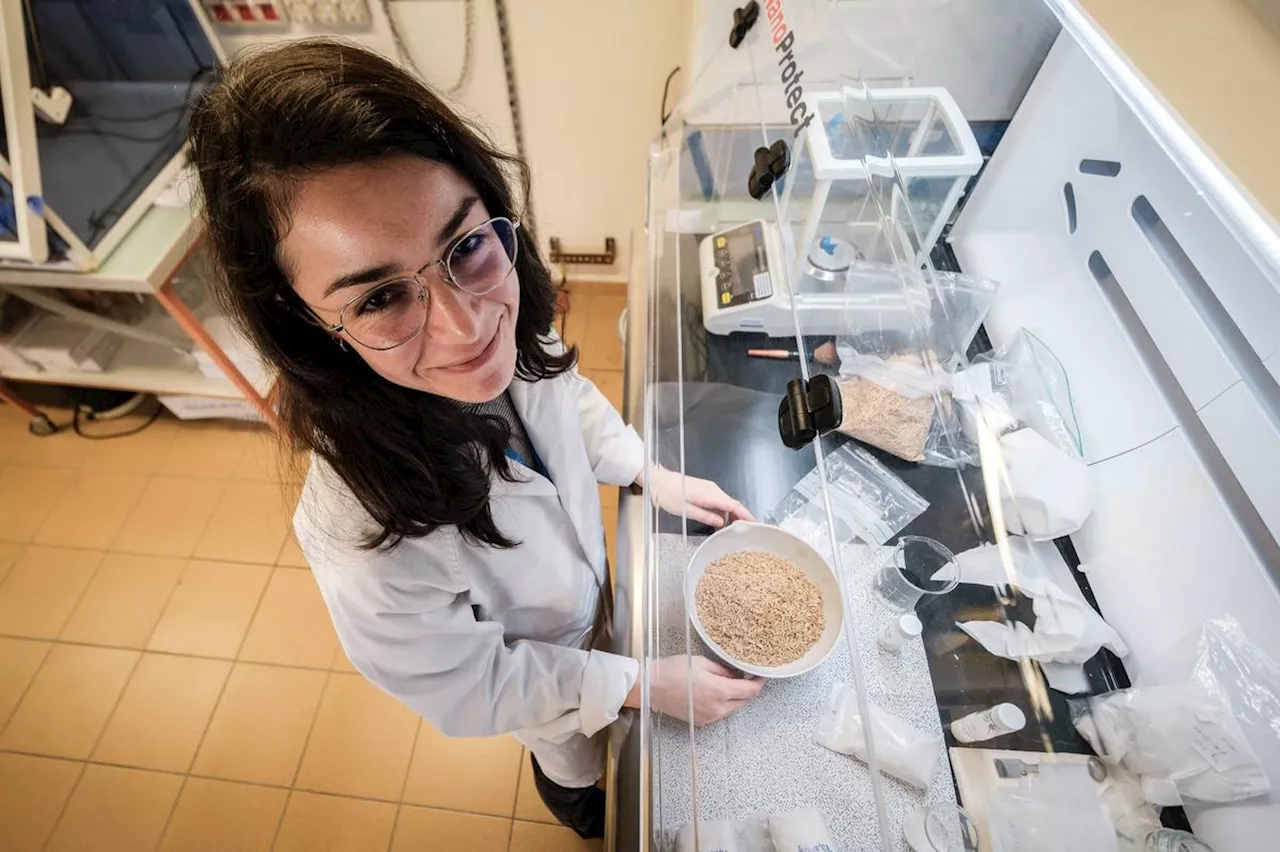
(745, 285)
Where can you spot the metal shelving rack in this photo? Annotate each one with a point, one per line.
(140, 253)
(145, 262)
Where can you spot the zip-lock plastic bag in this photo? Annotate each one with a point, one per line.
(1045, 493)
(1020, 386)
(713, 836)
(724, 835)
(898, 355)
(869, 503)
(905, 752)
(1248, 679)
(800, 831)
(1181, 739)
(1056, 810)
(897, 404)
(1021, 396)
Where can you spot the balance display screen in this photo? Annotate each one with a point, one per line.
(742, 266)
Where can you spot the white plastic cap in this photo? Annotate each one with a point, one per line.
(1010, 717)
(911, 627)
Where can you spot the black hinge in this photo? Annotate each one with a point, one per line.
(809, 410)
(769, 164)
(743, 20)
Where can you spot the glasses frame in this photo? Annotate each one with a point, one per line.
(445, 274)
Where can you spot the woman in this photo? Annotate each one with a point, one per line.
(372, 251)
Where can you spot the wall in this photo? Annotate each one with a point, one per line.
(590, 78)
(433, 34)
(590, 74)
(1214, 64)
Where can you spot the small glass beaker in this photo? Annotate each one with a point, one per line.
(941, 828)
(920, 566)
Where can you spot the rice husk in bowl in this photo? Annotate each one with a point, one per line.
(792, 607)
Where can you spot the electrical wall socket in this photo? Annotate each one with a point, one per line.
(353, 12)
(327, 13)
(340, 14)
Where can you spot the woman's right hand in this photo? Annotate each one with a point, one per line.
(717, 691)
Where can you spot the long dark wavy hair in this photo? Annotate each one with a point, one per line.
(415, 462)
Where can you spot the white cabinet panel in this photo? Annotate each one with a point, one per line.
(1048, 290)
(1251, 445)
(1163, 552)
(1228, 271)
(1017, 230)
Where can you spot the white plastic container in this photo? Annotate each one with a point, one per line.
(58, 344)
(985, 724)
(899, 632)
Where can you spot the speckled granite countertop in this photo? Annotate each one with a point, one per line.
(763, 759)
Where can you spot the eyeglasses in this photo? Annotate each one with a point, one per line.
(395, 312)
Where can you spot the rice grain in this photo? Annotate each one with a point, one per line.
(882, 417)
(759, 608)
(886, 419)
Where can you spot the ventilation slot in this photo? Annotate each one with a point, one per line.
(1224, 480)
(1099, 168)
(1262, 385)
(1069, 196)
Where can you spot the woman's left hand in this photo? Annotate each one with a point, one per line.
(699, 500)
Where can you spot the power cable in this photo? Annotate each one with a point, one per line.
(117, 134)
(127, 119)
(663, 115)
(666, 90)
(468, 38)
(181, 107)
(79, 429)
(513, 100)
(101, 220)
(35, 48)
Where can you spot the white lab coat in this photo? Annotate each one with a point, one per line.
(480, 640)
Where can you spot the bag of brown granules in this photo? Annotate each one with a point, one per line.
(904, 335)
(899, 406)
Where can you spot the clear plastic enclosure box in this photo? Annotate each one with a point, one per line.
(977, 300)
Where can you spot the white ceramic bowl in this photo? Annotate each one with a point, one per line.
(741, 536)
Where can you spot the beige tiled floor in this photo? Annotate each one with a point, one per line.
(169, 679)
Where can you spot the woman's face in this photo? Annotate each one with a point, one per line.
(355, 227)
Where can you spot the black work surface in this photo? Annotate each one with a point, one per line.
(730, 436)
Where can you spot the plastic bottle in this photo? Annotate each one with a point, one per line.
(985, 724)
(899, 632)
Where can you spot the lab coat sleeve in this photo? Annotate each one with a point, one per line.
(411, 630)
(614, 449)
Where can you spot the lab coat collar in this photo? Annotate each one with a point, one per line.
(548, 410)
